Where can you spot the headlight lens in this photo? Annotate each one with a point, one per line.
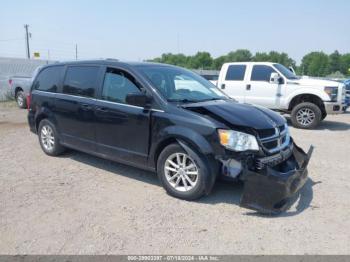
(332, 92)
(237, 141)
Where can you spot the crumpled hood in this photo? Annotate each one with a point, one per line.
(239, 114)
(309, 81)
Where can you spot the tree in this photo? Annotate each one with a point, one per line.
(345, 64)
(315, 64)
(201, 60)
(334, 62)
(276, 57)
(218, 62)
(240, 55)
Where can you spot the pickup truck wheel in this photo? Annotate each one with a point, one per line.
(183, 176)
(21, 99)
(48, 138)
(306, 115)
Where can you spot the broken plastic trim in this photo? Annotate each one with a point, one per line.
(268, 190)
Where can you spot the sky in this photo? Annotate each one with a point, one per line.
(135, 30)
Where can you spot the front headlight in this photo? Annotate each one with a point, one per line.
(237, 141)
(332, 92)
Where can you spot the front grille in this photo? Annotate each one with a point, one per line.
(271, 145)
(274, 160)
(274, 139)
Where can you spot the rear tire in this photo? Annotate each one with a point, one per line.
(182, 175)
(21, 99)
(48, 138)
(306, 115)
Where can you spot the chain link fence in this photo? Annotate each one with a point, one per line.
(16, 67)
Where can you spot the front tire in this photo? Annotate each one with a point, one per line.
(21, 99)
(182, 175)
(306, 115)
(48, 138)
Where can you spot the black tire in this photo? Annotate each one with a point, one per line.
(21, 99)
(202, 179)
(297, 121)
(56, 148)
(324, 115)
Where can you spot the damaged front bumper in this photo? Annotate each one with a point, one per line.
(269, 189)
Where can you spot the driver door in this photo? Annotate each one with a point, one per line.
(260, 90)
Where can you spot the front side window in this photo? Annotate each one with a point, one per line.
(262, 73)
(81, 80)
(285, 71)
(48, 79)
(180, 85)
(117, 85)
(235, 73)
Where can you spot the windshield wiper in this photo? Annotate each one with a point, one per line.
(213, 98)
(185, 100)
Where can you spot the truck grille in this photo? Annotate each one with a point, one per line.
(274, 139)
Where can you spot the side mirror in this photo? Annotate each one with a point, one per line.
(275, 78)
(138, 99)
(291, 69)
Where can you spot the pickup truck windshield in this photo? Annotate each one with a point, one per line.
(179, 85)
(285, 71)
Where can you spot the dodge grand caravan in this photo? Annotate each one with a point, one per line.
(171, 121)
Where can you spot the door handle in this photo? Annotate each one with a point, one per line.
(248, 87)
(86, 107)
(223, 86)
(102, 109)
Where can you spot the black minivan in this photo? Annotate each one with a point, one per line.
(168, 120)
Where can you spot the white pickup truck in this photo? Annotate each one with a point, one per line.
(272, 85)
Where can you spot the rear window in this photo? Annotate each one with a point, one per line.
(48, 79)
(81, 80)
(235, 73)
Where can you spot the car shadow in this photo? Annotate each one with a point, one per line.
(113, 167)
(222, 192)
(328, 125)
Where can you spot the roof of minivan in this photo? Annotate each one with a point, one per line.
(114, 62)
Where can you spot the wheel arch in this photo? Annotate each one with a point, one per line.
(311, 98)
(192, 142)
(182, 136)
(44, 113)
(17, 89)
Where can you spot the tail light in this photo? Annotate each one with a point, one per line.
(29, 99)
(10, 81)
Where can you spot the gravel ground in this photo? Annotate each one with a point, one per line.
(80, 204)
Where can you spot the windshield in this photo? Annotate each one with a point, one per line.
(285, 71)
(180, 85)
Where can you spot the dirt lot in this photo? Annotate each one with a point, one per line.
(79, 204)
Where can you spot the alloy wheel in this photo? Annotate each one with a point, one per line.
(47, 138)
(20, 100)
(305, 116)
(181, 172)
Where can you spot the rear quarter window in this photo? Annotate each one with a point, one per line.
(235, 73)
(48, 79)
(81, 80)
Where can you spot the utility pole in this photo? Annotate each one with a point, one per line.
(76, 52)
(27, 41)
